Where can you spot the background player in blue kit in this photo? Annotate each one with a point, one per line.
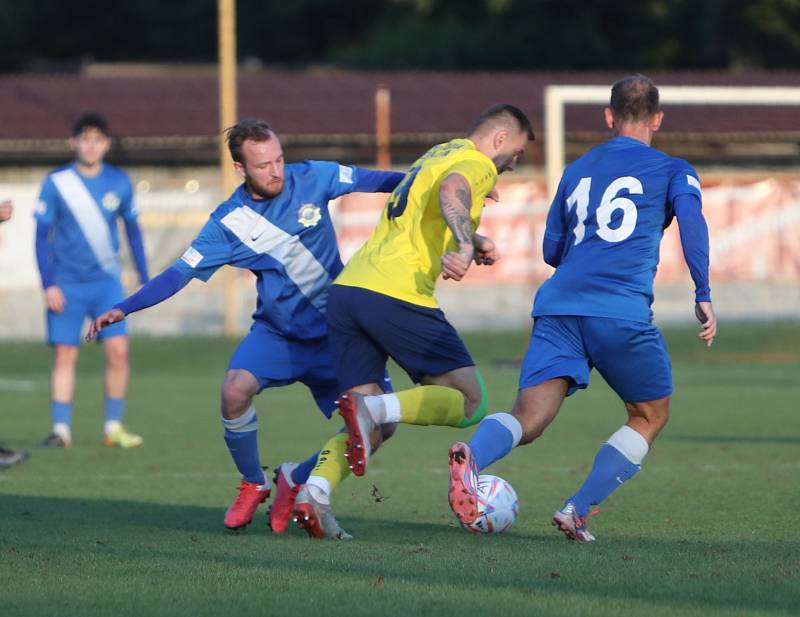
(603, 233)
(276, 225)
(77, 253)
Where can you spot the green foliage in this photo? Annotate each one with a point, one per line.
(705, 530)
(428, 34)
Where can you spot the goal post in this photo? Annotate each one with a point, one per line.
(557, 97)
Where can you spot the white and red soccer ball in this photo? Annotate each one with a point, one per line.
(498, 506)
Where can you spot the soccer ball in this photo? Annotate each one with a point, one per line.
(498, 506)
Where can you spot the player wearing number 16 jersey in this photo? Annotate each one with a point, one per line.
(602, 236)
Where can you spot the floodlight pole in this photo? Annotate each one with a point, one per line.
(383, 131)
(226, 28)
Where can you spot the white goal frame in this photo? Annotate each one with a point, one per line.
(557, 97)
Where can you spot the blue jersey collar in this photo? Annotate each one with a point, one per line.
(627, 140)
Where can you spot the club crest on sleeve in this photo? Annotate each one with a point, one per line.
(309, 215)
(345, 174)
(192, 257)
(111, 201)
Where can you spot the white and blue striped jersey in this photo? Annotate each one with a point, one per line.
(287, 241)
(83, 214)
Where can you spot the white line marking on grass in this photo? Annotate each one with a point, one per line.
(18, 385)
(138, 477)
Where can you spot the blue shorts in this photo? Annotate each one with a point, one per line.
(631, 356)
(82, 300)
(277, 361)
(365, 328)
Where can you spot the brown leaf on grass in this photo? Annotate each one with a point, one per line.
(627, 558)
(378, 582)
(376, 494)
(555, 574)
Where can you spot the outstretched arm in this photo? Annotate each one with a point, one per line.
(694, 241)
(370, 181)
(163, 286)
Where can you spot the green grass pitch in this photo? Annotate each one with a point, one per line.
(708, 528)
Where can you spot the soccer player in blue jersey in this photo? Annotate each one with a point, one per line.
(77, 252)
(277, 225)
(602, 235)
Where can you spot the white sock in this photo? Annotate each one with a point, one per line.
(320, 489)
(511, 423)
(111, 425)
(630, 443)
(384, 409)
(63, 430)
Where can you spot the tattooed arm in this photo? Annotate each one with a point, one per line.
(455, 200)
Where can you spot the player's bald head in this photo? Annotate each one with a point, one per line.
(501, 117)
(634, 98)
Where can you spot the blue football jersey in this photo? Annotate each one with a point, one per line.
(83, 213)
(287, 241)
(610, 212)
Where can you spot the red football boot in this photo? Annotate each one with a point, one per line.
(463, 493)
(359, 424)
(280, 512)
(241, 513)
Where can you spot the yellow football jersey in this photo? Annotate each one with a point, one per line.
(402, 257)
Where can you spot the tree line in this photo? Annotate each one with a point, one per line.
(410, 34)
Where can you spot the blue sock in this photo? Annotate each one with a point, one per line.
(496, 436)
(114, 407)
(303, 470)
(241, 436)
(61, 413)
(617, 461)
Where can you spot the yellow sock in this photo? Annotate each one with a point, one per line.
(436, 405)
(332, 465)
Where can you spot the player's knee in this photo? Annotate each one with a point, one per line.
(236, 396)
(472, 400)
(65, 356)
(475, 402)
(117, 356)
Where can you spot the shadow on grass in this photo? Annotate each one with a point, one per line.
(743, 574)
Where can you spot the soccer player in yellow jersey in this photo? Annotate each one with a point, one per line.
(382, 304)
